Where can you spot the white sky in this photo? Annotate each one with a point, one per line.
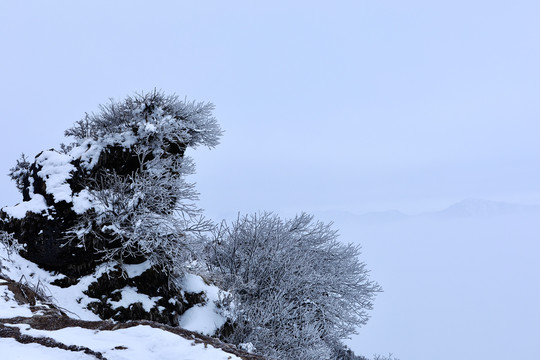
(361, 105)
(343, 105)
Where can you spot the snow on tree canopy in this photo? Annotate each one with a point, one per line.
(153, 121)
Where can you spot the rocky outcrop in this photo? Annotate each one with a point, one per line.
(63, 224)
(40, 222)
(49, 317)
(43, 226)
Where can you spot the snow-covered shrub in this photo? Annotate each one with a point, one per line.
(297, 291)
(9, 243)
(344, 353)
(147, 215)
(143, 208)
(20, 173)
(159, 123)
(383, 357)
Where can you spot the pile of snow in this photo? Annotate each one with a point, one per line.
(205, 319)
(56, 169)
(129, 295)
(35, 205)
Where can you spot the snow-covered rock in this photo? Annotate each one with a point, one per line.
(41, 320)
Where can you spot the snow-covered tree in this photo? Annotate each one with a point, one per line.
(157, 122)
(296, 291)
(142, 206)
(147, 215)
(119, 191)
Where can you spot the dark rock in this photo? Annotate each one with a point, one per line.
(153, 282)
(44, 235)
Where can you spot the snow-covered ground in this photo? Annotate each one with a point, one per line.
(11, 349)
(458, 284)
(72, 298)
(138, 342)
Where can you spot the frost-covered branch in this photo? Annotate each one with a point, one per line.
(157, 120)
(150, 215)
(20, 172)
(297, 290)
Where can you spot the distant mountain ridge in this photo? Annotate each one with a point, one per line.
(472, 207)
(467, 208)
